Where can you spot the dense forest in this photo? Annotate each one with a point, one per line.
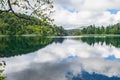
(12, 25)
(92, 29)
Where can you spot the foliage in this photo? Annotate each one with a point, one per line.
(92, 29)
(39, 8)
(12, 25)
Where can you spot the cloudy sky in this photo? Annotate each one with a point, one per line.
(77, 13)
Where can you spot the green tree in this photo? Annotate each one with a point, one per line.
(39, 8)
(92, 29)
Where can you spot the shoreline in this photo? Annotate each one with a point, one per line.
(69, 36)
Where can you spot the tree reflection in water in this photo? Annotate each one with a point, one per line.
(2, 66)
(11, 46)
(114, 41)
(75, 59)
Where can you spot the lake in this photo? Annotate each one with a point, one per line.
(67, 58)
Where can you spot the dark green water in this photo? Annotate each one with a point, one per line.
(13, 46)
(68, 58)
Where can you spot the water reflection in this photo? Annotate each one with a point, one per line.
(115, 41)
(11, 46)
(71, 59)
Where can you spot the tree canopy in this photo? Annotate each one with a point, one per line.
(11, 25)
(38, 8)
(92, 29)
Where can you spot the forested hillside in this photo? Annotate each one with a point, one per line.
(92, 29)
(12, 25)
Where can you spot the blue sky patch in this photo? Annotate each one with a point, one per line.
(69, 9)
(69, 58)
(112, 58)
(113, 11)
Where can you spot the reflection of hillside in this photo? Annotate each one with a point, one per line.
(115, 41)
(11, 46)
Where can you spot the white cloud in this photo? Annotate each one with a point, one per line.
(86, 12)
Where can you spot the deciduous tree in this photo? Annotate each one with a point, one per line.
(39, 8)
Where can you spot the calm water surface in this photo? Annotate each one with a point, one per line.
(36, 58)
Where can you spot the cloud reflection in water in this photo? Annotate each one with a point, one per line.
(56, 60)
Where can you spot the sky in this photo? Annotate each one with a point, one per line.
(78, 13)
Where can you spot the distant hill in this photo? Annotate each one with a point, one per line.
(92, 29)
(72, 31)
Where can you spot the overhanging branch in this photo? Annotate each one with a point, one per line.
(1, 11)
(11, 9)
